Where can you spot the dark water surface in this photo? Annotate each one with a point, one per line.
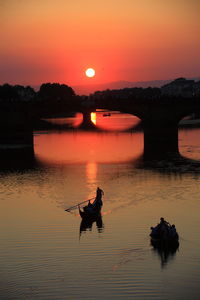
(43, 253)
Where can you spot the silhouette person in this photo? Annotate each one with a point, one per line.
(98, 200)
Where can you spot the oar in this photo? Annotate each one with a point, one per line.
(68, 209)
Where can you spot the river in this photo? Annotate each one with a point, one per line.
(46, 255)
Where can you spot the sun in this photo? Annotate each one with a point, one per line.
(90, 72)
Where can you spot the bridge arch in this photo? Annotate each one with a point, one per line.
(160, 118)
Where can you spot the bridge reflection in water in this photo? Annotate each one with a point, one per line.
(160, 130)
(160, 136)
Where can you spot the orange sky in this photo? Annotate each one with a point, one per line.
(133, 40)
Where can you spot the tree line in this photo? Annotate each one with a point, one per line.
(50, 98)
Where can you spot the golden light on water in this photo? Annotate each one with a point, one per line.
(91, 174)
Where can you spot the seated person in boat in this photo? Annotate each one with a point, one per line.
(154, 231)
(172, 232)
(89, 208)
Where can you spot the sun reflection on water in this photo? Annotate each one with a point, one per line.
(94, 118)
(91, 174)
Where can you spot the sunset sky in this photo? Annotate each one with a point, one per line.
(132, 40)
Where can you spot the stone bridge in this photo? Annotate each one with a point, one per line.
(160, 118)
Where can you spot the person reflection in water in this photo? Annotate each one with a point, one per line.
(86, 224)
(165, 254)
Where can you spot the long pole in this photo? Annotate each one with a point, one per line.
(68, 209)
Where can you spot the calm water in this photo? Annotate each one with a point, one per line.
(43, 253)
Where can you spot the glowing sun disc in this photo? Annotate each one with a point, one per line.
(90, 72)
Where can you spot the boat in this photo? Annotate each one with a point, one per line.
(171, 243)
(90, 212)
(164, 237)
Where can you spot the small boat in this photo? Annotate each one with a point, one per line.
(89, 213)
(164, 237)
(171, 243)
(92, 210)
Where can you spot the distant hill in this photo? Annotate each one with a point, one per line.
(86, 90)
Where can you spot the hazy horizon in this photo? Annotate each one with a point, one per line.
(86, 89)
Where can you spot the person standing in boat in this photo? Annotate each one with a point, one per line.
(98, 200)
(163, 222)
(99, 193)
(163, 227)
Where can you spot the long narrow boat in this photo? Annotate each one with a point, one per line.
(90, 213)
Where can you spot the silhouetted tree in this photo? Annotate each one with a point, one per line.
(16, 93)
(55, 91)
(57, 98)
(7, 92)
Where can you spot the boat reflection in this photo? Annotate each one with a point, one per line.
(165, 254)
(87, 224)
